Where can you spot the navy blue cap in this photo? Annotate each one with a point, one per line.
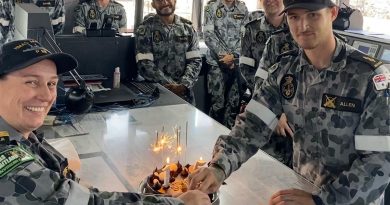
(17, 55)
(312, 5)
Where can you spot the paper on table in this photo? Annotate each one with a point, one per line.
(70, 130)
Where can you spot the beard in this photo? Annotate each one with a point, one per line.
(167, 11)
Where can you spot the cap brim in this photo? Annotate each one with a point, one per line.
(308, 6)
(64, 62)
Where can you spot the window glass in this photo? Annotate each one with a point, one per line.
(129, 6)
(375, 14)
(183, 8)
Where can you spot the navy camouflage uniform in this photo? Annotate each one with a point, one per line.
(32, 172)
(169, 54)
(222, 34)
(339, 116)
(90, 12)
(55, 8)
(253, 43)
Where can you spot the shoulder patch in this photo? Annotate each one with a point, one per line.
(359, 56)
(13, 157)
(292, 53)
(253, 22)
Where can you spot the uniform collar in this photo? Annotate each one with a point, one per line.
(176, 20)
(339, 59)
(264, 21)
(13, 134)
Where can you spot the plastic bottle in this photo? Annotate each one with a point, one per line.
(117, 78)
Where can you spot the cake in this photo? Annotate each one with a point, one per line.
(178, 179)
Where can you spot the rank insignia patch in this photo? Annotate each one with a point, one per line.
(288, 86)
(341, 103)
(91, 14)
(157, 38)
(218, 13)
(260, 37)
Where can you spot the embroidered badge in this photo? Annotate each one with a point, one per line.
(285, 47)
(141, 31)
(12, 158)
(288, 86)
(218, 13)
(91, 14)
(4, 137)
(381, 81)
(238, 16)
(181, 39)
(157, 36)
(341, 103)
(260, 37)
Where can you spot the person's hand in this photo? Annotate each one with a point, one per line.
(283, 128)
(178, 89)
(195, 197)
(228, 60)
(291, 197)
(207, 179)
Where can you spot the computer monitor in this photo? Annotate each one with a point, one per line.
(34, 22)
(384, 54)
(365, 47)
(100, 55)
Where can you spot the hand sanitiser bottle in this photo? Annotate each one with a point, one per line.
(117, 78)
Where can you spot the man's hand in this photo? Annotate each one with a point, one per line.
(195, 197)
(228, 60)
(282, 128)
(291, 197)
(178, 89)
(207, 179)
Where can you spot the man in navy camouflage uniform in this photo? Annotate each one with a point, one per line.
(167, 50)
(223, 22)
(94, 11)
(55, 8)
(337, 101)
(31, 171)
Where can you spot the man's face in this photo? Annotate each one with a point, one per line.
(311, 28)
(228, 1)
(164, 7)
(27, 95)
(272, 7)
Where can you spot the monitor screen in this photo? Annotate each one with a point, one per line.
(367, 48)
(33, 22)
(385, 55)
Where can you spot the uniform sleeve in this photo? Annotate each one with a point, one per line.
(34, 183)
(268, 58)
(193, 61)
(252, 130)
(123, 22)
(145, 59)
(79, 19)
(211, 36)
(369, 174)
(6, 22)
(247, 61)
(58, 17)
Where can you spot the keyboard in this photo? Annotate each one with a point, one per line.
(142, 88)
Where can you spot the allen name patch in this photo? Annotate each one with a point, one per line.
(341, 103)
(12, 158)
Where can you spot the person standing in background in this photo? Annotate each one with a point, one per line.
(167, 50)
(55, 8)
(223, 23)
(93, 12)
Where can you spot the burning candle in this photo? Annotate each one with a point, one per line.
(167, 174)
(199, 163)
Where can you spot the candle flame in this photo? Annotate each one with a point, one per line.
(167, 160)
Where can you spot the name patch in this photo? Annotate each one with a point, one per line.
(341, 103)
(12, 158)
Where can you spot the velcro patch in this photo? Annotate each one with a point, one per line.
(381, 81)
(12, 158)
(238, 16)
(341, 103)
